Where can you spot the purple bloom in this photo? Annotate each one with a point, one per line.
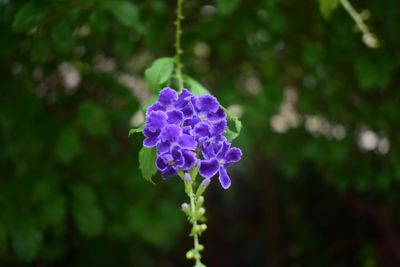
(218, 160)
(155, 121)
(206, 108)
(176, 107)
(207, 133)
(187, 132)
(176, 159)
(173, 136)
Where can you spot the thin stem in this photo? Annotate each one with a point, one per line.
(368, 38)
(195, 212)
(195, 225)
(178, 49)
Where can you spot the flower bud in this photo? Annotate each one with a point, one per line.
(185, 207)
(187, 177)
(203, 227)
(196, 229)
(202, 211)
(190, 254)
(202, 187)
(200, 200)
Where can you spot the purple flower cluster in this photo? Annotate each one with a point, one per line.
(188, 132)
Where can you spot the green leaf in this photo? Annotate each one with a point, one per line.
(195, 87)
(147, 163)
(29, 16)
(158, 73)
(232, 134)
(68, 144)
(124, 11)
(227, 7)
(136, 130)
(26, 240)
(327, 7)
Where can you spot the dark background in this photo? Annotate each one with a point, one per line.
(319, 180)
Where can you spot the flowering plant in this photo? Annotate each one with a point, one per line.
(186, 134)
(189, 136)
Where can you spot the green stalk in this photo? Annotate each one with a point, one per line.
(368, 38)
(178, 49)
(195, 213)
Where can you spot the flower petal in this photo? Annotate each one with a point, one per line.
(187, 142)
(177, 156)
(161, 163)
(208, 168)
(163, 147)
(191, 121)
(207, 103)
(233, 155)
(218, 128)
(208, 151)
(167, 96)
(189, 159)
(168, 172)
(175, 117)
(156, 120)
(202, 129)
(216, 116)
(155, 107)
(183, 98)
(224, 178)
(148, 133)
(223, 148)
(170, 133)
(187, 110)
(150, 142)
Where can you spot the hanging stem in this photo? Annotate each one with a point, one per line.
(368, 38)
(195, 212)
(178, 49)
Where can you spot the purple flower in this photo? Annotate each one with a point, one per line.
(176, 159)
(155, 122)
(206, 108)
(210, 133)
(217, 159)
(187, 132)
(172, 136)
(176, 107)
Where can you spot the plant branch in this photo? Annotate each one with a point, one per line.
(195, 212)
(178, 49)
(368, 38)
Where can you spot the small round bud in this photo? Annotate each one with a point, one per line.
(203, 227)
(200, 200)
(190, 254)
(187, 177)
(202, 187)
(185, 207)
(201, 247)
(202, 211)
(205, 183)
(196, 229)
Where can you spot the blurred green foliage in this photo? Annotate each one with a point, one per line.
(71, 193)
